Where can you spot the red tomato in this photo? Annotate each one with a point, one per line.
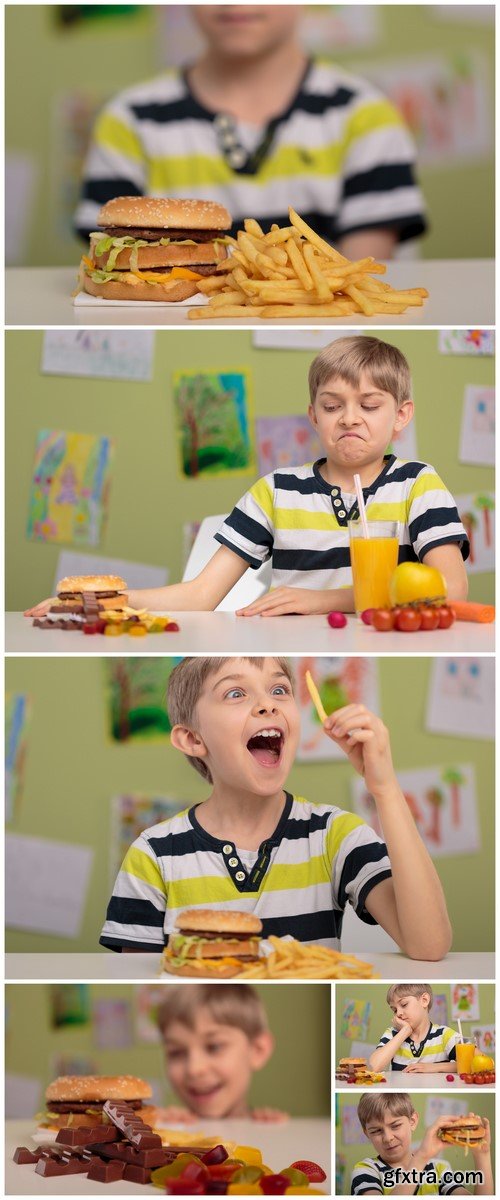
(446, 616)
(409, 620)
(429, 617)
(382, 620)
(367, 616)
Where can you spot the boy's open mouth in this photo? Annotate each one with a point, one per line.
(266, 746)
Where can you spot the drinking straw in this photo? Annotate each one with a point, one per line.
(361, 505)
(315, 697)
(459, 1023)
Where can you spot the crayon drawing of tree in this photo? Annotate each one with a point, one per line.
(469, 522)
(435, 797)
(137, 697)
(454, 778)
(212, 423)
(486, 504)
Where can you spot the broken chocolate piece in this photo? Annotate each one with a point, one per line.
(81, 1136)
(156, 1157)
(23, 1155)
(106, 1172)
(136, 1174)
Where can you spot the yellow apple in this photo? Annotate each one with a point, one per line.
(481, 1062)
(412, 582)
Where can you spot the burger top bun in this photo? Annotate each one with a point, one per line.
(91, 583)
(468, 1122)
(151, 212)
(211, 920)
(98, 1087)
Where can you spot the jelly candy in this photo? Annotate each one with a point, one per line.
(251, 1175)
(113, 630)
(244, 1189)
(172, 627)
(137, 630)
(296, 1178)
(250, 1155)
(274, 1185)
(217, 1154)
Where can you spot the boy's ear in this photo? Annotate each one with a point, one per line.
(311, 412)
(188, 741)
(262, 1047)
(414, 1121)
(404, 415)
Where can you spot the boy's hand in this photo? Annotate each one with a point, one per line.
(40, 610)
(403, 1026)
(172, 1112)
(484, 1150)
(418, 1067)
(272, 1116)
(432, 1145)
(287, 600)
(365, 740)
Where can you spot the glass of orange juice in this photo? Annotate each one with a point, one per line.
(465, 1052)
(373, 560)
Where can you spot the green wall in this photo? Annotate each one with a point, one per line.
(32, 1044)
(72, 803)
(381, 1015)
(106, 56)
(149, 501)
(481, 1103)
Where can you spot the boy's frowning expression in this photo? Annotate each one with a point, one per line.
(411, 1010)
(355, 423)
(248, 725)
(210, 1066)
(391, 1136)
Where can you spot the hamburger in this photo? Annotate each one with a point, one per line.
(209, 942)
(82, 599)
(76, 1100)
(466, 1131)
(154, 249)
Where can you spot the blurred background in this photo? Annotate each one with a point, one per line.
(89, 764)
(352, 1145)
(187, 421)
(362, 1015)
(63, 62)
(86, 1029)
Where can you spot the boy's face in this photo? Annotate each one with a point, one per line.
(410, 1009)
(355, 424)
(211, 1066)
(249, 726)
(246, 30)
(391, 1136)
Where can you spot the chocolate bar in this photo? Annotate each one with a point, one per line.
(23, 1155)
(136, 1174)
(106, 1172)
(156, 1157)
(80, 1136)
(68, 1164)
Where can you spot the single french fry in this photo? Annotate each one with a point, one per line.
(365, 304)
(299, 265)
(212, 283)
(277, 235)
(278, 255)
(314, 238)
(241, 280)
(221, 299)
(315, 697)
(253, 227)
(336, 309)
(320, 283)
(210, 314)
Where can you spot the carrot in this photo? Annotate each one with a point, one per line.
(465, 610)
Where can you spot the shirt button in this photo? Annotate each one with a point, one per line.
(341, 512)
(233, 862)
(337, 502)
(227, 849)
(335, 491)
(240, 875)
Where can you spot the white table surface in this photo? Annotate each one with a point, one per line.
(461, 292)
(280, 1146)
(416, 1082)
(224, 633)
(106, 965)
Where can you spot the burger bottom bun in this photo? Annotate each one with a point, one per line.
(179, 289)
(192, 972)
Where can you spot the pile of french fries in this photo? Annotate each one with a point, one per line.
(292, 272)
(295, 960)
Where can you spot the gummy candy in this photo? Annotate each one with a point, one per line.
(218, 1154)
(296, 1178)
(250, 1154)
(274, 1185)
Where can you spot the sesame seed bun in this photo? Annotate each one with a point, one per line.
(91, 583)
(83, 1088)
(159, 213)
(211, 920)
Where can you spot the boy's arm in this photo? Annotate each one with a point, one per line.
(383, 1055)
(379, 243)
(410, 905)
(449, 561)
(136, 911)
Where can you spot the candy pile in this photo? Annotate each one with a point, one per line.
(137, 622)
(127, 1148)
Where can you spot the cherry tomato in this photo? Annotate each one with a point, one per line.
(336, 620)
(450, 1078)
(409, 620)
(446, 616)
(367, 616)
(479, 1078)
(429, 617)
(382, 620)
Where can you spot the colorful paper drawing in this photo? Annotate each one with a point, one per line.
(352, 1133)
(130, 815)
(99, 353)
(484, 1037)
(340, 681)
(477, 514)
(439, 1014)
(444, 101)
(46, 884)
(212, 412)
(443, 1106)
(17, 714)
(148, 998)
(443, 804)
(461, 697)
(467, 341)
(73, 1064)
(296, 339)
(285, 442)
(136, 696)
(70, 487)
(112, 1024)
(477, 435)
(404, 443)
(136, 575)
(465, 1002)
(69, 1004)
(355, 1021)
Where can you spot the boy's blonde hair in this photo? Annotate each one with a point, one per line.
(409, 989)
(235, 1004)
(347, 357)
(185, 686)
(373, 1107)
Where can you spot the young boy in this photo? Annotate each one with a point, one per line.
(214, 1038)
(253, 847)
(413, 1043)
(389, 1120)
(255, 125)
(360, 395)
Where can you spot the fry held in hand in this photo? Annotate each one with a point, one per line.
(315, 697)
(292, 272)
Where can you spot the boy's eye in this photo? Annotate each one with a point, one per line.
(172, 1054)
(234, 694)
(215, 1047)
(281, 690)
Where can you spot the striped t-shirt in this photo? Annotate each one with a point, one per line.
(368, 1176)
(299, 521)
(340, 154)
(318, 859)
(438, 1046)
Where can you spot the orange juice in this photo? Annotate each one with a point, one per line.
(465, 1052)
(373, 561)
